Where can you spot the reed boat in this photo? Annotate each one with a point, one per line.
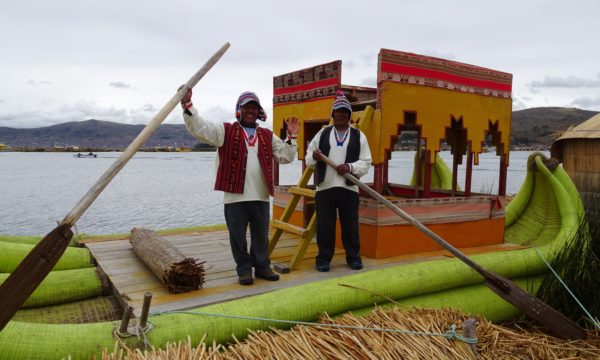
(544, 214)
(70, 314)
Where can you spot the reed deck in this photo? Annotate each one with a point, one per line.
(131, 278)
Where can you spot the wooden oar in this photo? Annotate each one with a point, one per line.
(38, 263)
(538, 310)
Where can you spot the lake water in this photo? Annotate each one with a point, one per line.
(160, 190)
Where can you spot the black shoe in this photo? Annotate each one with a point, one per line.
(323, 268)
(246, 279)
(268, 275)
(355, 265)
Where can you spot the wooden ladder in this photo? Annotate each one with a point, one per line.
(282, 224)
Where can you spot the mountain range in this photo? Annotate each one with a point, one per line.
(95, 134)
(534, 128)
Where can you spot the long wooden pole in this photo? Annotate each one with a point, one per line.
(142, 137)
(559, 324)
(40, 261)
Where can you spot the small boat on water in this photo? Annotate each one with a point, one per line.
(88, 155)
(69, 314)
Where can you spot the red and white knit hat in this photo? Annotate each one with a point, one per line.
(341, 102)
(243, 99)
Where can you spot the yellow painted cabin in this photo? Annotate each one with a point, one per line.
(444, 102)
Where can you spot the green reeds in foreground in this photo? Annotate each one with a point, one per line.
(578, 265)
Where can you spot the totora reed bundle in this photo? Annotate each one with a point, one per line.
(419, 336)
(178, 272)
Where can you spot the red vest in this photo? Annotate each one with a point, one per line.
(232, 159)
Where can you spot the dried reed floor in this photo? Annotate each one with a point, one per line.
(413, 334)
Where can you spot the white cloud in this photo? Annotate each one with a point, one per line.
(148, 107)
(518, 104)
(370, 81)
(566, 82)
(219, 114)
(38, 82)
(74, 49)
(78, 111)
(119, 85)
(587, 102)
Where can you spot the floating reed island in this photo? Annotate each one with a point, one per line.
(383, 334)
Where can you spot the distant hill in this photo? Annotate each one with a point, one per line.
(533, 128)
(95, 134)
(538, 127)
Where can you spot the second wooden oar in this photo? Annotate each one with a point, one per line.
(538, 310)
(42, 258)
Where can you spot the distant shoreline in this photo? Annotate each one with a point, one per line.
(88, 150)
(208, 149)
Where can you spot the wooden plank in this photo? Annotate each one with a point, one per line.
(131, 279)
(288, 227)
(309, 193)
(109, 245)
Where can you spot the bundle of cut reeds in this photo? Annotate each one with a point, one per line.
(178, 272)
(419, 337)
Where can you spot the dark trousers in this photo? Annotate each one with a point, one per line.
(238, 216)
(329, 203)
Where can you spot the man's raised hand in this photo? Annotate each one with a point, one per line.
(293, 125)
(186, 101)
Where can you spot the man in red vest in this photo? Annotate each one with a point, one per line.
(245, 175)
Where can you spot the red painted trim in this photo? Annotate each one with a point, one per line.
(377, 178)
(303, 102)
(469, 174)
(406, 191)
(454, 174)
(503, 173)
(385, 170)
(441, 61)
(427, 182)
(445, 76)
(309, 86)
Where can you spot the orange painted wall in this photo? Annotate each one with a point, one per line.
(385, 241)
(296, 219)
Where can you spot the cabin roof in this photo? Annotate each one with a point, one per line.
(589, 129)
(586, 131)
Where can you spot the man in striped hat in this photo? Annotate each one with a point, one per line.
(335, 195)
(245, 175)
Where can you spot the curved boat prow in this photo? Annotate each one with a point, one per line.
(441, 175)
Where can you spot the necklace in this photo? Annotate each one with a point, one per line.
(338, 141)
(249, 134)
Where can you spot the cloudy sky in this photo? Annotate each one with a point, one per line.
(121, 61)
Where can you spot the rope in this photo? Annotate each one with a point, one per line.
(593, 319)
(138, 332)
(450, 334)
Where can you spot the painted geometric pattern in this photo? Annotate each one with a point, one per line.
(433, 211)
(423, 70)
(314, 83)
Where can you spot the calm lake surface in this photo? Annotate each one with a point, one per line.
(160, 190)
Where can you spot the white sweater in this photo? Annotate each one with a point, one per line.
(255, 187)
(337, 154)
